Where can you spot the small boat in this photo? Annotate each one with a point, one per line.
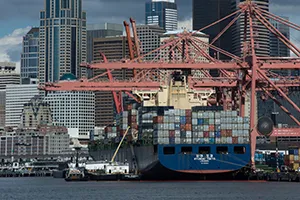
(76, 174)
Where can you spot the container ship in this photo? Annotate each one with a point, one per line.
(174, 134)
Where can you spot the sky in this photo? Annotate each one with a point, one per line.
(17, 16)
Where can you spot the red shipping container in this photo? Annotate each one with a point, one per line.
(206, 134)
(171, 134)
(182, 127)
(235, 140)
(223, 133)
(188, 120)
(211, 128)
(188, 127)
(158, 120)
(188, 113)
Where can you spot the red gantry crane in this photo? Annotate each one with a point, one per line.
(239, 77)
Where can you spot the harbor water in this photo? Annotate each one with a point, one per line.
(43, 188)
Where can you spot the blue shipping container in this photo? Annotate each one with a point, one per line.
(200, 121)
(182, 120)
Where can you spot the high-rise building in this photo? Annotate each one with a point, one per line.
(206, 12)
(114, 48)
(278, 48)
(8, 74)
(162, 13)
(62, 39)
(73, 109)
(100, 31)
(30, 54)
(16, 97)
(149, 36)
(261, 33)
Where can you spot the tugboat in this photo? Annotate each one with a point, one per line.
(76, 173)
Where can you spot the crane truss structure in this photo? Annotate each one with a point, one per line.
(239, 77)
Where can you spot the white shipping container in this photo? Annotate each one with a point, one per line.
(171, 119)
(229, 140)
(217, 121)
(296, 157)
(166, 112)
(171, 126)
(246, 126)
(211, 114)
(223, 113)
(200, 128)
(205, 127)
(240, 140)
(166, 126)
(217, 115)
(246, 140)
(182, 112)
(246, 133)
(234, 133)
(177, 112)
(177, 133)
(177, 119)
(206, 140)
(211, 134)
(125, 113)
(223, 140)
(240, 120)
(200, 134)
(171, 112)
(211, 121)
(177, 140)
(200, 114)
(194, 121)
(218, 140)
(188, 134)
(189, 141)
(194, 115)
(240, 126)
(166, 133)
(223, 126)
(166, 119)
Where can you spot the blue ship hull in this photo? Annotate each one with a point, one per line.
(154, 162)
(213, 162)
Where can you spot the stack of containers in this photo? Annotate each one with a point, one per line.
(163, 130)
(110, 132)
(132, 122)
(292, 160)
(219, 127)
(145, 123)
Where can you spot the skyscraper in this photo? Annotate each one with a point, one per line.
(62, 39)
(149, 36)
(278, 49)
(100, 31)
(114, 48)
(30, 54)
(162, 13)
(261, 33)
(206, 12)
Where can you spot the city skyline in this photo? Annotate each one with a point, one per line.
(16, 25)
